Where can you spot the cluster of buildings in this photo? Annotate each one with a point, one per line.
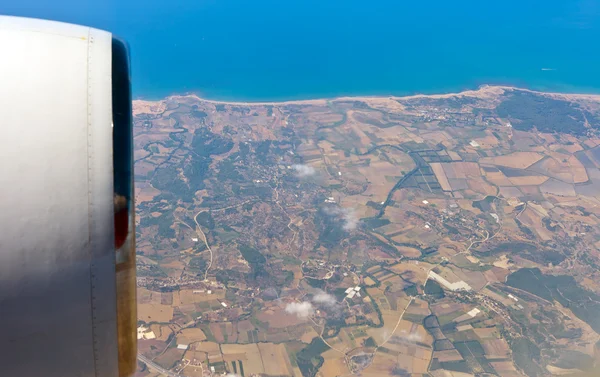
(353, 291)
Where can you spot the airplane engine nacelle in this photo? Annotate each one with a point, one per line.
(67, 253)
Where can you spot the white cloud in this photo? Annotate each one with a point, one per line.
(301, 309)
(386, 334)
(348, 215)
(405, 338)
(351, 221)
(324, 298)
(303, 170)
(414, 337)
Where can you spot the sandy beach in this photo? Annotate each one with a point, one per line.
(485, 91)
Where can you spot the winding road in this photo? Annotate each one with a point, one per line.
(203, 235)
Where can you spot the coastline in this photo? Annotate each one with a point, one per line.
(482, 91)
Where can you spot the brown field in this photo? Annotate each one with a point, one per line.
(309, 335)
(510, 192)
(374, 269)
(528, 181)
(502, 366)
(579, 173)
(191, 335)
(145, 296)
(489, 141)
(192, 371)
(382, 366)
(461, 170)
(563, 167)
(538, 208)
(533, 219)
(533, 190)
(517, 160)
(358, 204)
(244, 326)
(231, 332)
(311, 155)
(482, 187)
(420, 307)
(475, 279)
(381, 334)
(324, 117)
(449, 373)
(347, 341)
(396, 227)
(215, 328)
(176, 300)
(459, 184)
(409, 252)
(155, 312)
(416, 273)
(168, 359)
(278, 318)
(253, 363)
(242, 337)
(487, 333)
(236, 349)
(436, 136)
(440, 175)
(161, 332)
(208, 347)
(496, 348)
(448, 307)
(449, 355)
(421, 364)
(556, 187)
(369, 281)
(334, 364)
(187, 296)
(212, 351)
(496, 275)
(151, 348)
(455, 156)
(575, 147)
(405, 360)
(378, 171)
(166, 298)
(595, 160)
(380, 255)
(172, 266)
(497, 178)
(145, 192)
(275, 359)
(357, 129)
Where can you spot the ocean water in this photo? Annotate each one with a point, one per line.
(254, 50)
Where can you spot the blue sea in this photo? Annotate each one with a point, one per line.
(255, 50)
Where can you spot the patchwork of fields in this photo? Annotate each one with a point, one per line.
(427, 236)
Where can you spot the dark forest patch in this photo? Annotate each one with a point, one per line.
(527, 110)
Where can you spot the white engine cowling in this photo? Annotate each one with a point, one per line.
(67, 258)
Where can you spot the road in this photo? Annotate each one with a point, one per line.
(203, 235)
(397, 324)
(157, 367)
(352, 366)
